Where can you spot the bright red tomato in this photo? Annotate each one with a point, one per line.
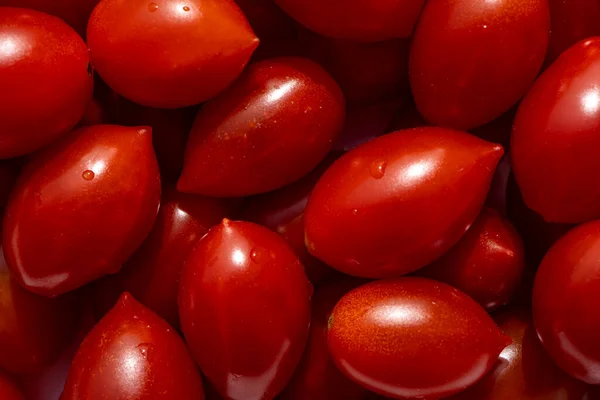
(471, 61)
(244, 303)
(8, 390)
(398, 202)
(81, 208)
(46, 80)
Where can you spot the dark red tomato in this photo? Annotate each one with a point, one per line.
(317, 378)
(360, 20)
(8, 390)
(396, 203)
(557, 125)
(244, 303)
(498, 194)
(524, 371)
(273, 126)
(268, 21)
(413, 337)
(132, 353)
(46, 80)
(566, 301)
(487, 263)
(471, 61)
(137, 48)
(81, 208)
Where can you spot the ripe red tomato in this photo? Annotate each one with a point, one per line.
(81, 208)
(137, 48)
(413, 337)
(471, 61)
(46, 80)
(273, 126)
(244, 303)
(8, 390)
(395, 204)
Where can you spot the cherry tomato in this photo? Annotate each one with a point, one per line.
(360, 20)
(553, 137)
(471, 61)
(137, 48)
(81, 208)
(398, 202)
(46, 80)
(8, 390)
(244, 303)
(565, 302)
(413, 337)
(274, 125)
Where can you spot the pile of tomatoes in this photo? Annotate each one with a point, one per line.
(300, 199)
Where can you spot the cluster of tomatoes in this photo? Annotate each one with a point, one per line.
(300, 199)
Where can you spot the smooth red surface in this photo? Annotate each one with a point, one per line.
(317, 378)
(398, 202)
(523, 371)
(81, 208)
(557, 125)
(133, 354)
(360, 20)
(270, 128)
(45, 77)
(413, 337)
(471, 61)
(8, 390)
(244, 303)
(487, 263)
(137, 48)
(566, 301)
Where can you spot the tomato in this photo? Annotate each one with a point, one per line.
(46, 80)
(565, 302)
(137, 48)
(556, 127)
(274, 125)
(398, 202)
(244, 303)
(8, 390)
(412, 337)
(81, 208)
(360, 20)
(471, 61)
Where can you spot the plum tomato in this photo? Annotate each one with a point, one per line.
(398, 202)
(244, 303)
(471, 61)
(8, 390)
(46, 80)
(270, 128)
(137, 48)
(413, 338)
(81, 208)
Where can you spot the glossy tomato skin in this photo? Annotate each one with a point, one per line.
(136, 47)
(493, 50)
(46, 80)
(359, 20)
(556, 126)
(81, 208)
(273, 126)
(244, 303)
(395, 204)
(565, 302)
(487, 263)
(8, 390)
(133, 354)
(412, 338)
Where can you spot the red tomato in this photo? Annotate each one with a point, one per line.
(413, 337)
(8, 390)
(244, 303)
(471, 61)
(46, 80)
(360, 20)
(81, 208)
(553, 136)
(566, 301)
(273, 126)
(137, 48)
(396, 203)
(133, 354)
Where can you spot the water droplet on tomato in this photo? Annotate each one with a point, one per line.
(145, 349)
(377, 169)
(258, 255)
(88, 175)
(186, 8)
(152, 7)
